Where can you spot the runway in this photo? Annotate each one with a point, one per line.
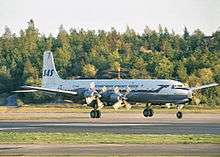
(120, 128)
(122, 123)
(119, 123)
(110, 150)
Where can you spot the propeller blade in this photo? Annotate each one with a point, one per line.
(104, 89)
(122, 99)
(93, 96)
(89, 100)
(92, 86)
(117, 105)
(116, 90)
(127, 105)
(99, 103)
(127, 90)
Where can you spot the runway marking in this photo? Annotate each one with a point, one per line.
(95, 125)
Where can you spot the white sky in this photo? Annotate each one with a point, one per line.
(48, 15)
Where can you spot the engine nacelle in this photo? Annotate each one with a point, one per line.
(88, 93)
(114, 97)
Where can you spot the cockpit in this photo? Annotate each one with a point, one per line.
(179, 86)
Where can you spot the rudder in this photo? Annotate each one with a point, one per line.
(50, 76)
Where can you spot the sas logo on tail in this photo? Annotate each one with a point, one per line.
(48, 72)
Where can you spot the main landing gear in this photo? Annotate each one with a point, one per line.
(148, 112)
(95, 113)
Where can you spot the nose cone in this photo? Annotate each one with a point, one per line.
(186, 92)
(190, 94)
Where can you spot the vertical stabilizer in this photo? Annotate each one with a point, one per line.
(50, 77)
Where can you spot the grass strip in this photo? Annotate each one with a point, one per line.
(104, 138)
(84, 109)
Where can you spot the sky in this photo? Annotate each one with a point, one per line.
(48, 15)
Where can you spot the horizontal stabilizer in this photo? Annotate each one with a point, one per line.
(204, 86)
(48, 90)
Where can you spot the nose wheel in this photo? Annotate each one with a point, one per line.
(179, 115)
(148, 112)
(95, 114)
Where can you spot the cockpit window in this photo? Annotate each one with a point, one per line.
(177, 86)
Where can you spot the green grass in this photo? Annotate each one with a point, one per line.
(76, 108)
(103, 138)
(58, 111)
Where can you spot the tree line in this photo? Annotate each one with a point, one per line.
(191, 58)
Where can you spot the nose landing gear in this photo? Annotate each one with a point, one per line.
(179, 114)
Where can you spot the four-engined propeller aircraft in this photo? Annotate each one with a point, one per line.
(116, 92)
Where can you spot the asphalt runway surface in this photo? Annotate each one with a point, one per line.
(110, 150)
(123, 123)
(122, 128)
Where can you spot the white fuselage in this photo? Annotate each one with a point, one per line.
(122, 84)
(141, 90)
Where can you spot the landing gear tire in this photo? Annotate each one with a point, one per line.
(151, 112)
(179, 115)
(148, 112)
(98, 114)
(95, 114)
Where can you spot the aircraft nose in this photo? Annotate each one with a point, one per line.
(190, 94)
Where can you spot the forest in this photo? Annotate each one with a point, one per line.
(192, 58)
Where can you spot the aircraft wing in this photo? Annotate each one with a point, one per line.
(34, 89)
(204, 86)
(25, 91)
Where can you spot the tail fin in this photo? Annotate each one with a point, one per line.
(50, 77)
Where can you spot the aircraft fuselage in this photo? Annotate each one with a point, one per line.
(156, 91)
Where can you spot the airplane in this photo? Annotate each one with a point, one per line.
(116, 92)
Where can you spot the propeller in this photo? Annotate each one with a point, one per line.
(121, 99)
(93, 95)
